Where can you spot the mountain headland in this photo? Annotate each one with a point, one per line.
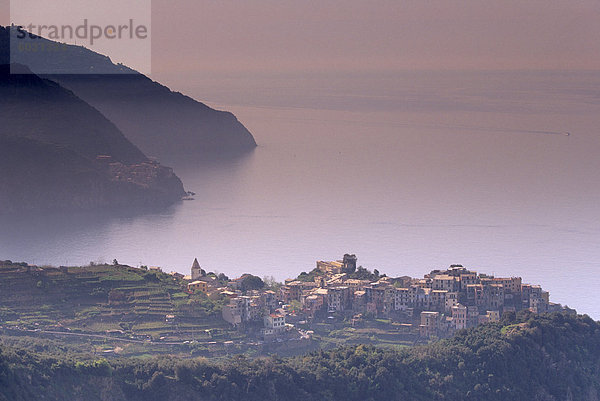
(164, 124)
(59, 153)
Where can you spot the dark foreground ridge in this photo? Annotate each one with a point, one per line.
(525, 357)
(164, 124)
(59, 153)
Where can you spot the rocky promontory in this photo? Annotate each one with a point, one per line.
(161, 122)
(59, 153)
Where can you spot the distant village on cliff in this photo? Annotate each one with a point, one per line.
(438, 304)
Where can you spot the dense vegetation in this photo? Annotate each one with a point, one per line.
(359, 273)
(549, 357)
(251, 282)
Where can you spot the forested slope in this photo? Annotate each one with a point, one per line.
(549, 357)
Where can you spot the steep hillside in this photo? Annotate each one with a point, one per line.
(42, 110)
(549, 357)
(57, 152)
(163, 123)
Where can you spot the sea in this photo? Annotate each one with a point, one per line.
(410, 170)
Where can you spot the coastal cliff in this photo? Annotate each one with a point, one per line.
(59, 153)
(162, 123)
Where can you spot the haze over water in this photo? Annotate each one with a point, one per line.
(411, 171)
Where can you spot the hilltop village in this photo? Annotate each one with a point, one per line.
(117, 309)
(438, 304)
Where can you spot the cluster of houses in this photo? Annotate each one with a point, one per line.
(244, 307)
(440, 303)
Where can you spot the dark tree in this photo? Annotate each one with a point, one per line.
(251, 282)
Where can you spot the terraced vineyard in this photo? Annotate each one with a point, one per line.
(113, 299)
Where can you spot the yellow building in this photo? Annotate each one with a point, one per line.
(198, 285)
(330, 267)
(493, 316)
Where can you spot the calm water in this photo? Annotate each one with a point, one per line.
(409, 171)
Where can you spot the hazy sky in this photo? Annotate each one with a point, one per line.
(282, 35)
(379, 34)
